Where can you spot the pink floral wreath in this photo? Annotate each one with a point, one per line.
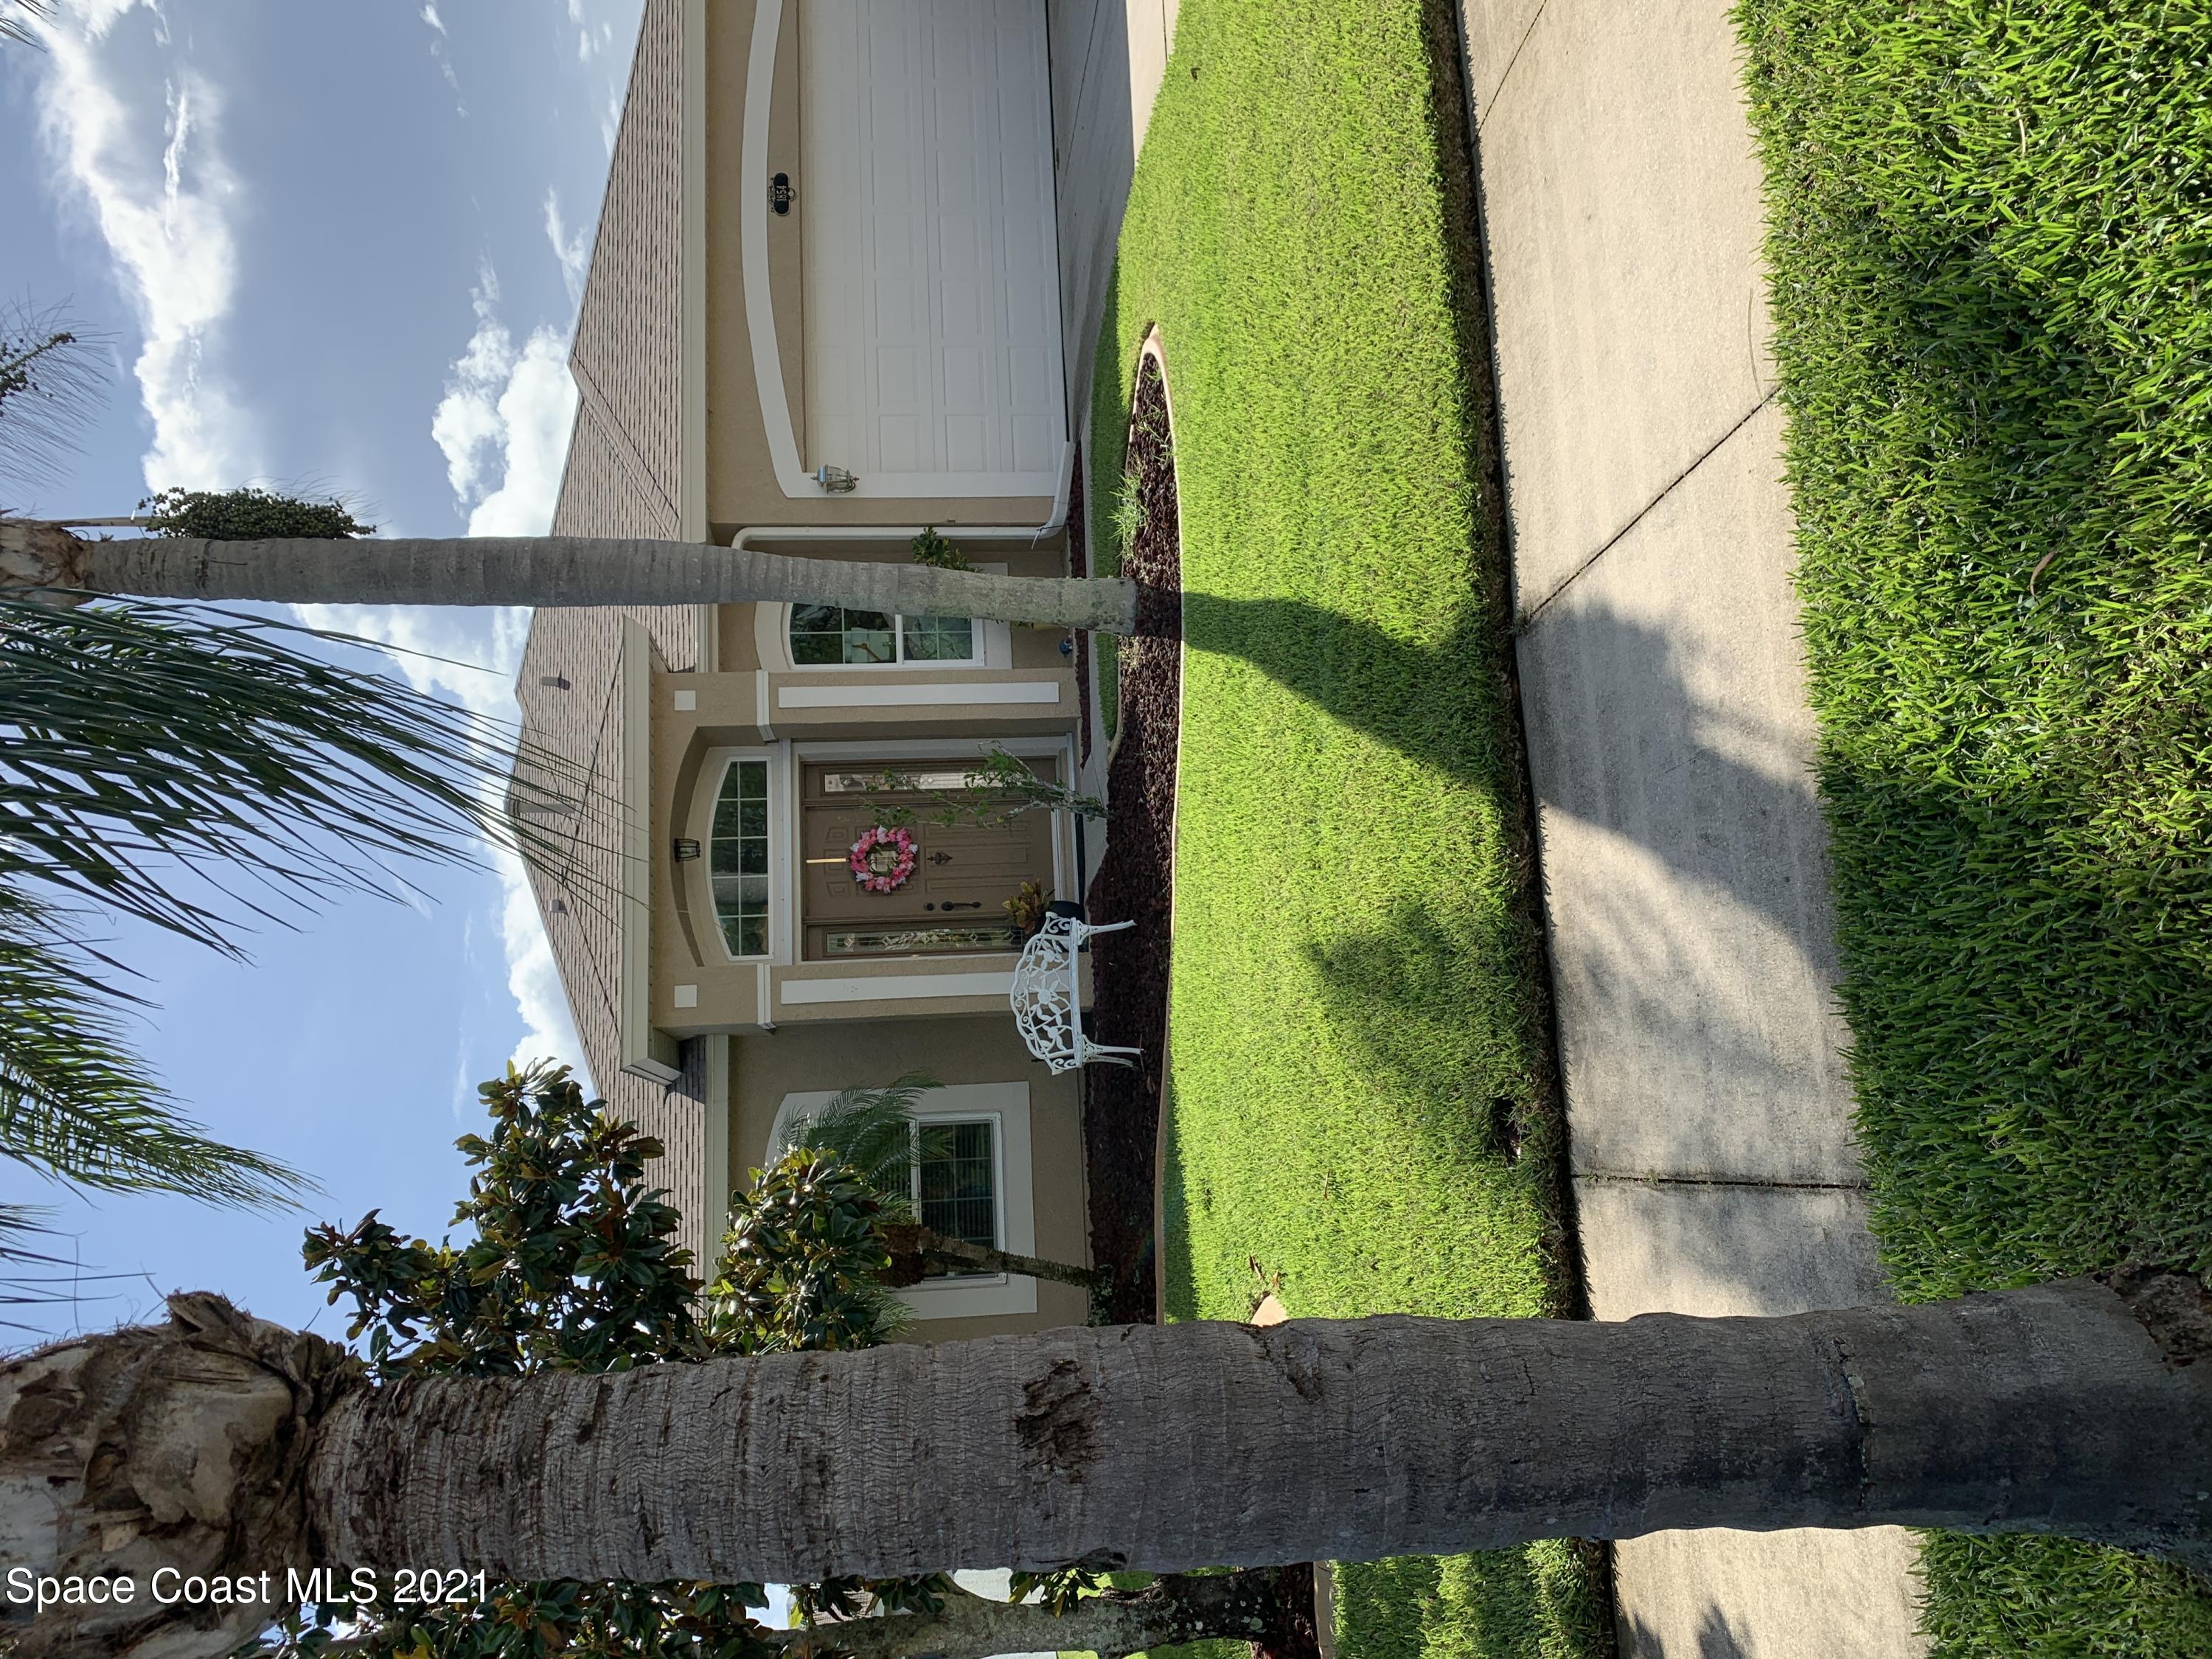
(882, 858)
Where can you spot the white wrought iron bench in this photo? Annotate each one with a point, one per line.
(1048, 996)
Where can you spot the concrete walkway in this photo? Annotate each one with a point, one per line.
(1684, 861)
(1107, 58)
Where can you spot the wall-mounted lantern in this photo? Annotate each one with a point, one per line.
(834, 479)
(686, 849)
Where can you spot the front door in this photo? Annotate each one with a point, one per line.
(956, 897)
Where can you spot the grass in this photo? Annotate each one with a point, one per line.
(1992, 248)
(1356, 1001)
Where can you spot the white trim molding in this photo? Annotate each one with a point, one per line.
(1006, 1105)
(927, 747)
(760, 312)
(893, 693)
(715, 1179)
(639, 1050)
(784, 459)
(894, 988)
(782, 860)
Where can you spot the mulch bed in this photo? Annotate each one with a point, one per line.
(1135, 882)
(1129, 971)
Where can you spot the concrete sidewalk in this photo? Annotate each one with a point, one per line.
(1693, 931)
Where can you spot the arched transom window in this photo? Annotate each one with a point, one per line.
(826, 634)
(737, 858)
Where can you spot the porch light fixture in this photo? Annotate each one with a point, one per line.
(686, 849)
(834, 479)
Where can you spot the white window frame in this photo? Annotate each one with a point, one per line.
(1007, 1106)
(994, 643)
(713, 771)
(978, 648)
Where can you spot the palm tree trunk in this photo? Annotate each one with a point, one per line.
(916, 1252)
(2072, 1408)
(550, 570)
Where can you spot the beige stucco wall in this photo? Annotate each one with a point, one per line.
(737, 708)
(741, 486)
(765, 1067)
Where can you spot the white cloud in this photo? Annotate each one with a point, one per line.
(610, 121)
(573, 250)
(470, 656)
(148, 166)
(502, 426)
(503, 423)
(439, 33)
(549, 1029)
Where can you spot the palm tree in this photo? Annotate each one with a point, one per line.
(199, 773)
(548, 570)
(871, 1133)
(191, 771)
(218, 1444)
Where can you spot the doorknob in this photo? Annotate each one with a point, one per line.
(940, 858)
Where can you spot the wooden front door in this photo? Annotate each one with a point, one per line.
(962, 876)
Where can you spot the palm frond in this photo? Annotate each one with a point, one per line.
(19, 1222)
(871, 1131)
(78, 1106)
(53, 370)
(199, 769)
(18, 18)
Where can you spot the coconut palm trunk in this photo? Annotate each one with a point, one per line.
(550, 570)
(218, 1444)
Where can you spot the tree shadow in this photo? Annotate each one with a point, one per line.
(1717, 1640)
(1617, 734)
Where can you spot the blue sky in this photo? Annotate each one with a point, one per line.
(338, 246)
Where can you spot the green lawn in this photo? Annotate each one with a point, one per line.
(1357, 982)
(1992, 256)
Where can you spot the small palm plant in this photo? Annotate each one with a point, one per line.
(870, 1135)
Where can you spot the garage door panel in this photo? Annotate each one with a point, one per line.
(926, 198)
(899, 441)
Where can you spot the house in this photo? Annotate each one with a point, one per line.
(827, 308)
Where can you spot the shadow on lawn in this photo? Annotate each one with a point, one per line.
(1618, 735)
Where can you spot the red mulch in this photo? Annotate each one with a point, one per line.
(1129, 971)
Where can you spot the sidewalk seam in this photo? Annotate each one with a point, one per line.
(1499, 91)
(1721, 1181)
(1527, 618)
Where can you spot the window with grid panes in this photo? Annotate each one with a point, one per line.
(737, 858)
(824, 636)
(955, 1181)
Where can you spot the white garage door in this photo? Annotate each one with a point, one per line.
(931, 301)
